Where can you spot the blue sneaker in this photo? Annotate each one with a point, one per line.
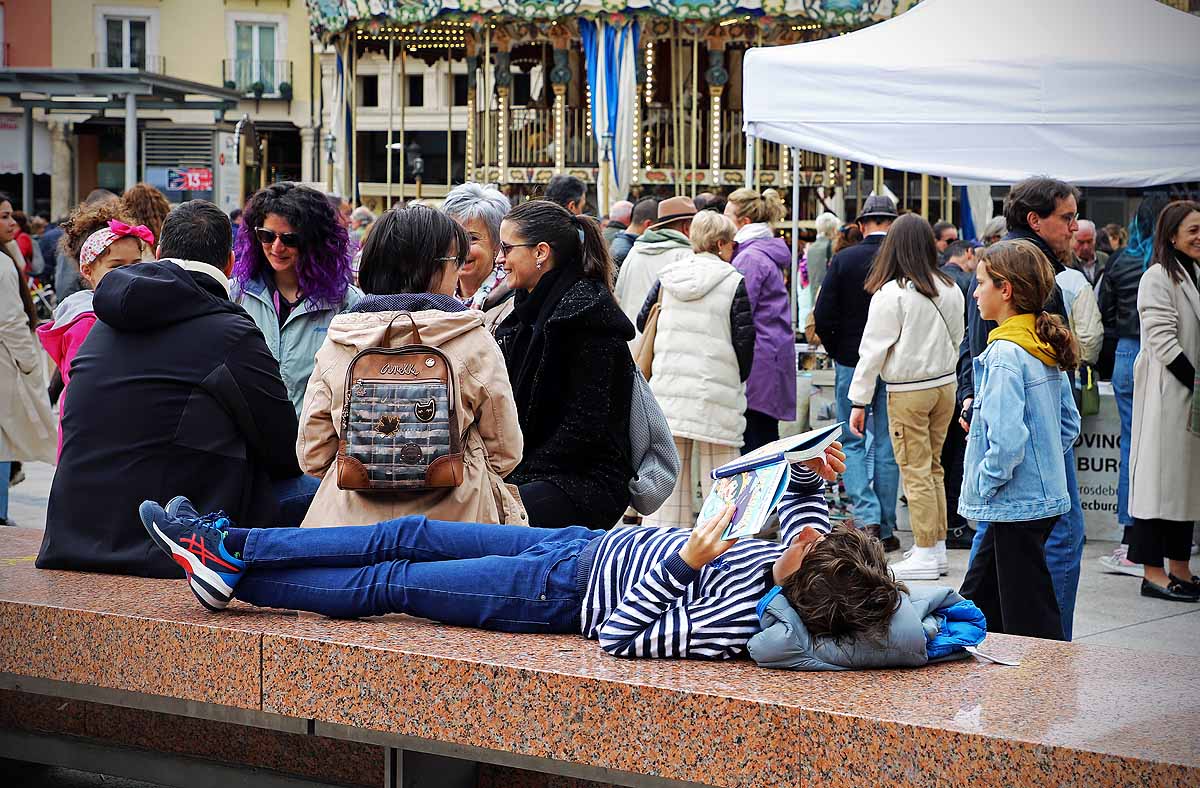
(196, 543)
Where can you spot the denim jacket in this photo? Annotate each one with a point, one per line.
(1024, 420)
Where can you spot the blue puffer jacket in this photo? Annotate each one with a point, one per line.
(931, 625)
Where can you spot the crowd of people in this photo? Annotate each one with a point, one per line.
(208, 372)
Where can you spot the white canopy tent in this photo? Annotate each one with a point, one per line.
(1095, 92)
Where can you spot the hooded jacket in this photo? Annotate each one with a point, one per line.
(771, 387)
(176, 394)
(650, 254)
(567, 352)
(62, 338)
(704, 349)
(487, 414)
(26, 423)
(931, 625)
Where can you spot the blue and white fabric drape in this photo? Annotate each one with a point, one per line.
(611, 65)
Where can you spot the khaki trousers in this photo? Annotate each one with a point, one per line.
(918, 421)
(696, 462)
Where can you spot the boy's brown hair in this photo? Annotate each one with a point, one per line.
(844, 586)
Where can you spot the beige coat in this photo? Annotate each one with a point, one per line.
(487, 415)
(1164, 457)
(28, 432)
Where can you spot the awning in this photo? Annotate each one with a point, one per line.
(95, 89)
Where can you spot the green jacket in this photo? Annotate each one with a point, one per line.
(295, 344)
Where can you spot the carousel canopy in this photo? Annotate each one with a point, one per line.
(330, 17)
(1095, 93)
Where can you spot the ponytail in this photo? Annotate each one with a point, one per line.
(576, 240)
(765, 208)
(1050, 329)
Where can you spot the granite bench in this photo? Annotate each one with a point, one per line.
(135, 665)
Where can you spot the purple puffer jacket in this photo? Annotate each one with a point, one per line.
(771, 388)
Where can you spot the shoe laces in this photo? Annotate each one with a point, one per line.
(213, 521)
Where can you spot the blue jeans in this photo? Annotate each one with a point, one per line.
(499, 577)
(5, 467)
(1064, 550)
(872, 487)
(1122, 383)
(295, 496)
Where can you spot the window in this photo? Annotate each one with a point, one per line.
(415, 94)
(255, 57)
(368, 91)
(460, 90)
(124, 42)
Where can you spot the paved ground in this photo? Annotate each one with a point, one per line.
(1109, 610)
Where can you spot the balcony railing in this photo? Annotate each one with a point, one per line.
(274, 76)
(155, 64)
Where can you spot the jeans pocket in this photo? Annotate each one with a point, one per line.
(552, 585)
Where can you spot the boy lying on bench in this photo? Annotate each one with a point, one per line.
(641, 592)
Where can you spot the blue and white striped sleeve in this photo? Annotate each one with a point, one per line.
(803, 505)
(648, 621)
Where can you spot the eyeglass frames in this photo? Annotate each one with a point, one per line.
(268, 237)
(506, 248)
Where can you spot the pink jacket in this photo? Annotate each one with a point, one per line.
(73, 319)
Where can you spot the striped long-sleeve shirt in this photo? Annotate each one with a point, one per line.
(643, 600)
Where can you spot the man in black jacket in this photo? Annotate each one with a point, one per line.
(173, 392)
(840, 315)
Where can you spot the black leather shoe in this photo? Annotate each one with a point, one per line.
(891, 544)
(1189, 586)
(1173, 592)
(960, 538)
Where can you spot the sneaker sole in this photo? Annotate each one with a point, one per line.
(208, 586)
(943, 569)
(922, 574)
(1117, 569)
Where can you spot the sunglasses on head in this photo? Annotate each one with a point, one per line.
(268, 237)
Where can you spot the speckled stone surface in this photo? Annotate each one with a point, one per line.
(1071, 715)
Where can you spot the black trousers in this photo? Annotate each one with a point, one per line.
(1009, 581)
(1150, 541)
(953, 452)
(548, 506)
(761, 429)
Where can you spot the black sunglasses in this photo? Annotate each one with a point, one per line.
(268, 237)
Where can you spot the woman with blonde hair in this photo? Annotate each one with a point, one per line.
(703, 352)
(147, 206)
(761, 258)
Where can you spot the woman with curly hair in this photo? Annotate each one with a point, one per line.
(102, 237)
(147, 205)
(292, 275)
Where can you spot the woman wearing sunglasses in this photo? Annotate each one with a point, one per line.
(292, 275)
(566, 344)
(411, 264)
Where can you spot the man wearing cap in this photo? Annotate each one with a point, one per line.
(664, 242)
(841, 315)
(174, 391)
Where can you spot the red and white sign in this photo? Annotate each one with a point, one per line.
(192, 179)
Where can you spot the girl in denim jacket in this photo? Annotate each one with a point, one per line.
(1023, 420)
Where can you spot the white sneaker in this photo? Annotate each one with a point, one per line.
(943, 563)
(1119, 564)
(921, 565)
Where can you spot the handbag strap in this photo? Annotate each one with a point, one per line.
(412, 324)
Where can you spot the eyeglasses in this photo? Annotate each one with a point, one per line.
(506, 248)
(268, 237)
(458, 263)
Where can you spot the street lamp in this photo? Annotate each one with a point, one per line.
(330, 149)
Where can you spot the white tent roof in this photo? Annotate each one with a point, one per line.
(1095, 92)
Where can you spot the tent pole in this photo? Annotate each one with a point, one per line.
(749, 161)
(925, 196)
(947, 200)
(391, 111)
(795, 288)
(677, 86)
(695, 107)
(487, 99)
(449, 119)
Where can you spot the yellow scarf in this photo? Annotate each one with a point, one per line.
(1019, 329)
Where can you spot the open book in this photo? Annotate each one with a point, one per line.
(755, 482)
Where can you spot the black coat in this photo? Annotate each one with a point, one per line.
(1118, 296)
(174, 392)
(840, 313)
(567, 352)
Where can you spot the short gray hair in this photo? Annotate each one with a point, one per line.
(362, 214)
(708, 228)
(1087, 223)
(995, 228)
(475, 201)
(828, 224)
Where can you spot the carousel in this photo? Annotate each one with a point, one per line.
(632, 96)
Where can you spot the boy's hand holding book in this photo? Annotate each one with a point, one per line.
(829, 464)
(705, 544)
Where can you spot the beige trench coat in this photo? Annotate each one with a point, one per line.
(1164, 457)
(28, 432)
(487, 415)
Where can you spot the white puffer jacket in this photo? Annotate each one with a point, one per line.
(911, 341)
(695, 373)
